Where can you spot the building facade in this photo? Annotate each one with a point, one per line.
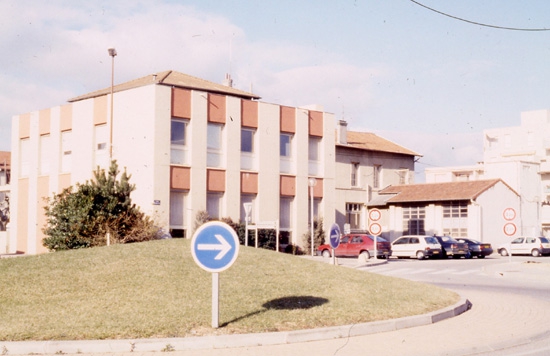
(520, 156)
(190, 145)
(365, 165)
(484, 210)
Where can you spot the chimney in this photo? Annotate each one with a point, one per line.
(228, 82)
(342, 132)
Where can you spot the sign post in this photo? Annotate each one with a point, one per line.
(509, 228)
(215, 247)
(334, 239)
(375, 228)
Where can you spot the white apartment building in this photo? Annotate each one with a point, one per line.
(520, 156)
(189, 144)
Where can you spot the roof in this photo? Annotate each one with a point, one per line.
(5, 159)
(171, 78)
(372, 142)
(429, 192)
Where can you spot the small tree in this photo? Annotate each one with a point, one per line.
(82, 218)
(318, 236)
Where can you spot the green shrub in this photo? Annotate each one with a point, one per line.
(82, 217)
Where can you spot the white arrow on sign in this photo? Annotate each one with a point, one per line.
(224, 247)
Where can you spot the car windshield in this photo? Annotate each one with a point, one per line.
(431, 240)
(544, 240)
(378, 238)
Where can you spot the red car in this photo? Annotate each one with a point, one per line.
(354, 245)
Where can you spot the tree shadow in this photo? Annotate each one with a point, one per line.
(284, 303)
(295, 302)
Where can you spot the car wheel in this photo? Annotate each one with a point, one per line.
(503, 252)
(365, 255)
(326, 253)
(480, 256)
(420, 255)
(535, 253)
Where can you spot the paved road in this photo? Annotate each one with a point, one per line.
(510, 316)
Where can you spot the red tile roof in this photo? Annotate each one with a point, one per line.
(171, 78)
(427, 192)
(372, 142)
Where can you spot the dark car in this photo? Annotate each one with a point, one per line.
(477, 248)
(354, 245)
(451, 247)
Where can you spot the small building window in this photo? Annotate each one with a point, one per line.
(354, 174)
(376, 175)
(178, 142)
(214, 145)
(66, 151)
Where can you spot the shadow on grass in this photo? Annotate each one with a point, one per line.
(285, 303)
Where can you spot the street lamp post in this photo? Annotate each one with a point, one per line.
(311, 182)
(112, 53)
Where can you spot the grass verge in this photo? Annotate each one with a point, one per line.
(154, 289)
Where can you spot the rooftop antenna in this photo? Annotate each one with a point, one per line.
(228, 81)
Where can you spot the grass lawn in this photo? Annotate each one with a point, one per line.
(155, 289)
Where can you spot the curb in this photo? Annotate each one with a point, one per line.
(230, 341)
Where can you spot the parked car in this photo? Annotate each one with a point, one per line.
(526, 245)
(418, 246)
(477, 249)
(452, 248)
(353, 245)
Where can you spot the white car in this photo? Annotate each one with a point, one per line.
(416, 246)
(526, 245)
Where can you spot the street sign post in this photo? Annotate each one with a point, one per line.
(334, 239)
(215, 247)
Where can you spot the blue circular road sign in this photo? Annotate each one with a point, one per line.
(334, 236)
(215, 246)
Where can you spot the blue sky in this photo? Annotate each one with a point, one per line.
(426, 81)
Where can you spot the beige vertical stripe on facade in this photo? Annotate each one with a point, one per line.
(249, 183)
(66, 119)
(216, 108)
(44, 117)
(249, 113)
(180, 178)
(181, 103)
(215, 180)
(24, 125)
(316, 123)
(288, 119)
(288, 186)
(100, 110)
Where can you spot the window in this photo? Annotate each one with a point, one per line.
(455, 219)
(66, 151)
(403, 175)
(353, 215)
(354, 174)
(247, 198)
(178, 142)
(285, 150)
(413, 220)
(101, 146)
(213, 205)
(285, 213)
(25, 154)
(214, 145)
(247, 149)
(247, 140)
(313, 155)
(376, 176)
(45, 154)
(177, 209)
